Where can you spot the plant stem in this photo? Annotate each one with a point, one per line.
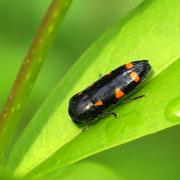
(15, 105)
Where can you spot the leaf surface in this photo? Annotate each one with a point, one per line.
(53, 141)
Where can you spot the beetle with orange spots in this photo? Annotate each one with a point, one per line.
(93, 102)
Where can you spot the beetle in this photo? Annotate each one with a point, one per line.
(88, 105)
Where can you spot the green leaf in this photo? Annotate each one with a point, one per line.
(150, 32)
(85, 170)
(136, 120)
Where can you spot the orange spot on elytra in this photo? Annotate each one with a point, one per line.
(98, 103)
(129, 66)
(134, 76)
(109, 74)
(118, 93)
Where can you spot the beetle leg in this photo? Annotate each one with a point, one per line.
(131, 99)
(107, 114)
(86, 127)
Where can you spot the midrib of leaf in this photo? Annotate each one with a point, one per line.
(142, 36)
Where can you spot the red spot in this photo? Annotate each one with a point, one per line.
(118, 93)
(129, 66)
(98, 103)
(134, 76)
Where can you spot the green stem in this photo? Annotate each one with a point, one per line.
(15, 105)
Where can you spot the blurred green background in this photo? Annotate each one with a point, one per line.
(153, 157)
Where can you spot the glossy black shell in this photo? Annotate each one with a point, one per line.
(82, 108)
